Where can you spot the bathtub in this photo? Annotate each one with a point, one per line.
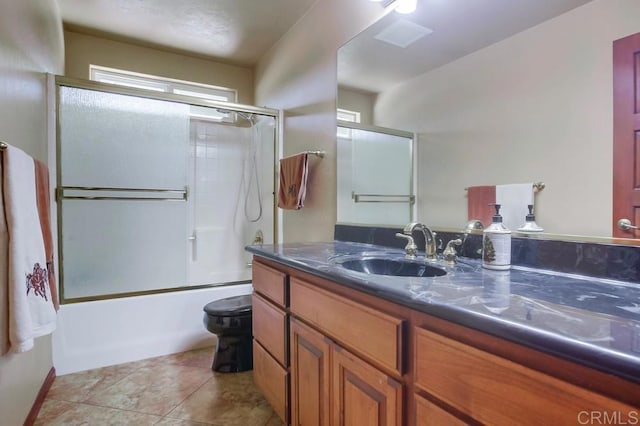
(114, 331)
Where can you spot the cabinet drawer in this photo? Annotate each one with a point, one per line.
(429, 414)
(272, 380)
(495, 390)
(270, 283)
(373, 334)
(270, 328)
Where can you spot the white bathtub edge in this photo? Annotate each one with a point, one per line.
(97, 334)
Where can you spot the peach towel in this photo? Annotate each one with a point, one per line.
(479, 199)
(42, 199)
(293, 181)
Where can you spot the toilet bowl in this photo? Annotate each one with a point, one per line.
(230, 320)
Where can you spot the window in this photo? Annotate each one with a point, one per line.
(161, 84)
(168, 85)
(347, 115)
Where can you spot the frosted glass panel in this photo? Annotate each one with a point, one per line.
(373, 167)
(111, 140)
(123, 246)
(113, 146)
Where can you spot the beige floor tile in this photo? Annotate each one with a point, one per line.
(226, 399)
(76, 413)
(166, 421)
(78, 387)
(51, 409)
(274, 421)
(202, 358)
(152, 390)
(180, 386)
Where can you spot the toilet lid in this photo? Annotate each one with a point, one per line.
(231, 306)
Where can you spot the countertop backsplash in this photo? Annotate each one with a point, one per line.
(608, 261)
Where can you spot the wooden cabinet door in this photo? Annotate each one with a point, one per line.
(362, 394)
(310, 376)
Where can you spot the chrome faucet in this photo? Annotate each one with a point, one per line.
(429, 238)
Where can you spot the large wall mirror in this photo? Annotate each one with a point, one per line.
(497, 92)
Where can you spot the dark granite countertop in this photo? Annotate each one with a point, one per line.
(591, 321)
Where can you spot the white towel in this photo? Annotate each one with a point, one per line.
(514, 199)
(27, 298)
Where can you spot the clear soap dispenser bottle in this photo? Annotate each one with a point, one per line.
(496, 244)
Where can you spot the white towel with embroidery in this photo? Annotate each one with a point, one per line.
(31, 312)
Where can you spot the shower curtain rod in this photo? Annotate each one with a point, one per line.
(3, 146)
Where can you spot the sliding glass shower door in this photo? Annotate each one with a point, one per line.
(154, 196)
(374, 175)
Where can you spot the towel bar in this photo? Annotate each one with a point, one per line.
(537, 187)
(182, 194)
(316, 153)
(390, 198)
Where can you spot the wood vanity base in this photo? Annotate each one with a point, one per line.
(342, 357)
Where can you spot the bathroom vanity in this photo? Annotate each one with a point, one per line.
(336, 345)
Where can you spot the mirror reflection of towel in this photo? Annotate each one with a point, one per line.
(479, 199)
(293, 181)
(514, 199)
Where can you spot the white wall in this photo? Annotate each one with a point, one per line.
(31, 44)
(356, 100)
(299, 76)
(534, 107)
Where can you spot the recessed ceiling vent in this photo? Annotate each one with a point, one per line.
(402, 33)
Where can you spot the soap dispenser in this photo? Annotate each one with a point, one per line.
(496, 244)
(530, 224)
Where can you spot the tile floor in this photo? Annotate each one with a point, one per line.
(178, 389)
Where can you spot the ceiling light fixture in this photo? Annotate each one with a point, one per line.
(400, 6)
(406, 6)
(384, 3)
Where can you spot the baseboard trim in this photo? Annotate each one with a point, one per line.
(42, 394)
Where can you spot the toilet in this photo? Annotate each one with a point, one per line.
(230, 320)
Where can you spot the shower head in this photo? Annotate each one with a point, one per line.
(249, 117)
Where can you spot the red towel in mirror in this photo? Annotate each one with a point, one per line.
(479, 199)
